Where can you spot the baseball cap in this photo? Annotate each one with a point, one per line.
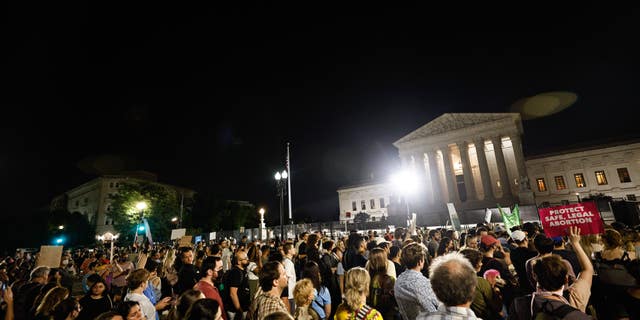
(518, 235)
(380, 240)
(488, 240)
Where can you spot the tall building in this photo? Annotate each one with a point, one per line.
(476, 161)
(92, 199)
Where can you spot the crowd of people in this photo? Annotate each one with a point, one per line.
(437, 273)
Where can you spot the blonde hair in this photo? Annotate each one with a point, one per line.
(356, 283)
(302, 291)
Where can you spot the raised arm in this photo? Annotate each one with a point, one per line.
(587, 268)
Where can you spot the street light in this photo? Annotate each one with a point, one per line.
(578, 196)
(111, 238)
(174, 219)
(406, 183)
(261, 229)
(141, 206)
(281, 184)
(60, 227)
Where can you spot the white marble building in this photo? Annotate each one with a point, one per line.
(476, 160)
(613, 170)
(371, 198)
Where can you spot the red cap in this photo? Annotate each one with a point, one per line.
(488, 240)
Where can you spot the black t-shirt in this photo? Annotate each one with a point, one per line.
(24, 298)
(187, 278)
(237, 278)
(91, 308)
(519, 257)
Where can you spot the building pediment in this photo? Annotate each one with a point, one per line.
(449, 122)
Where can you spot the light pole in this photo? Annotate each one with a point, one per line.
(111, 238)
(141, 206)
(261, 211)
(281, 182)
(578, 196)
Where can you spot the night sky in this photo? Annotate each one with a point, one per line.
(207, 97)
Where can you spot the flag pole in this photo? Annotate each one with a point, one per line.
(289, 180)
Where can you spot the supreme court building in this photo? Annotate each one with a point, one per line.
(476, 161)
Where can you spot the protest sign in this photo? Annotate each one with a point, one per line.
(185, 241)
(585, 215)
(178, 233)
(50, 256)
(453, 215)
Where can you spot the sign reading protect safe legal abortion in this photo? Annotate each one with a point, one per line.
(585, 215)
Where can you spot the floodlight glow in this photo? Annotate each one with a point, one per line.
(60, 227)
(261, 211)
(405, 182)
(285, 174)
(141, 228)
(141, 205)
(174, 219)
(278, 176)
(59, 240)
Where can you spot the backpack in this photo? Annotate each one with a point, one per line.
(543, 309)
(615, 272)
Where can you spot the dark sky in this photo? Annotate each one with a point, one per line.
(207, 97)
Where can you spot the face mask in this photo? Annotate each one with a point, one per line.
(65, 262)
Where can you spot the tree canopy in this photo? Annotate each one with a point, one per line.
(162, 205)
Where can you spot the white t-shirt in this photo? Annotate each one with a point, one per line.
(290, 269)
(226, 259)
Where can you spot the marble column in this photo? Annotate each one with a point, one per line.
(449, 175)
(418, 168)
(516, 143)
(466, 170)
(485, 176)
(435, 177)
(502, 167)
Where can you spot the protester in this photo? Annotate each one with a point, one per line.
(186, 299)
(454, 281)
(304, 295)
(237, 298)
(137, 281)
(487, 300)
(322, 302)
(204, 309)
(356, 292)
(412, 290)
(95, 302)
(273, 280)
(209, 270)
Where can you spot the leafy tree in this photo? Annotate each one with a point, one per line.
(211, 213)
(77, 228)
(162, 205)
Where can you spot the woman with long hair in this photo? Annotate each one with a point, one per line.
(204, 309)
(254, 267)
(95, 302)
(322, 302)
(313, 251)
(355, 297)
(67, 309)
(381, 285)
(55, 295)
(303, 294)
(186, 299)
(445, 246)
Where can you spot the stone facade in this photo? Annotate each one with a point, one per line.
(372, 199)
(612, 170)
(92, 198)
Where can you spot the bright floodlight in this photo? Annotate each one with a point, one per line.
(141, 228)
(278, 176)
(284, 174)
(174, 219)
(261, 211)
(60, 227)
(141, 205)
(405, 182)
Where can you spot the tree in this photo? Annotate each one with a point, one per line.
(162, 205)
(77, 230)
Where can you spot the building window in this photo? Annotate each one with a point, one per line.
(117, 185)
(110, 184)
(363, 205)
(353, 206)
(382, 203)
(542, 187)
(348, 214)
(601, 178)
(560, 182)
(579, 180)
(631, 197)
(623, 173)
(372, 204)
